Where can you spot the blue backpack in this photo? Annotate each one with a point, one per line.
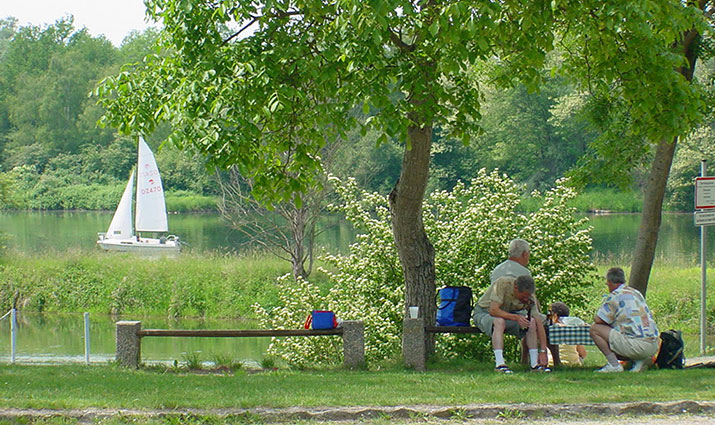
(455, 306)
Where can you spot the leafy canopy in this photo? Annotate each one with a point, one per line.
(264, 85)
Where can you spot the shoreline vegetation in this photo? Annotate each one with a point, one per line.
(594, 200)
(211, 285)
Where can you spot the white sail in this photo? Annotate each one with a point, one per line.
(151, 209)
(121, 225)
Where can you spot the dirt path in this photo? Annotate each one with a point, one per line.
(698, 413)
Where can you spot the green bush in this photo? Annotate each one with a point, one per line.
(470, 229)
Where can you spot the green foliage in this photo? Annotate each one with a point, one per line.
(470, 228)
(595, 200)
(268, 362)
(535, 137)
(221, 360)
(193, 360)
(268, 101)
(614, 200)
(182, 201)
(639, 77)
(46, 74)
(52, 152)
(697, 146)
(211, 286)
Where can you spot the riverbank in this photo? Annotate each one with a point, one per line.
(215, 286)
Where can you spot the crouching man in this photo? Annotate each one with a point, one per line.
(624, 325)
(509, 306)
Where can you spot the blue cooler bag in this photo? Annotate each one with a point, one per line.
(455, 306)
(321, 319)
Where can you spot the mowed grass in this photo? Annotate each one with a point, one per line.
(454, 383)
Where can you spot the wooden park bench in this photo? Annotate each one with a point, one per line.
(130, 333)
(415, 354)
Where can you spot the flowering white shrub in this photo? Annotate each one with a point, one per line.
(470, 228)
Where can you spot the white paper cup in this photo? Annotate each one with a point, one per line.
(414, 312)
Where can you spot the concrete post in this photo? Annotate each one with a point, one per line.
(128, 343)
(413, 343)
(353, 343)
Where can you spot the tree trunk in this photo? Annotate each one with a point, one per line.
(657, 180)
(652, 214)
(414, 248)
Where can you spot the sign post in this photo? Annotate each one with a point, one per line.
(704, 199)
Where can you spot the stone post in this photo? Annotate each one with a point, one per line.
(353, 343)
(128, 343)
(413, 343)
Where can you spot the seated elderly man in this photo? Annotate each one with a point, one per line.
(624, 325)
(509, 306)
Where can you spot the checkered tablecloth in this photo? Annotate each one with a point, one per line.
(569, 335)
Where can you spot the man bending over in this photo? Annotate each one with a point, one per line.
(509, 306)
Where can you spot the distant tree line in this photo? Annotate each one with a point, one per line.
(53, 155)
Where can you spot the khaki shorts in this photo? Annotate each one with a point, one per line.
(485, 321)
(632, 348)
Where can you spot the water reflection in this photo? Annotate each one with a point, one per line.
(614, 235)
(55, 337)
(52, 231)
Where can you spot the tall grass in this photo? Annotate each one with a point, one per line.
(596, 200)
(183, 201)
(599, 199)
(226, 286)
(190, 285)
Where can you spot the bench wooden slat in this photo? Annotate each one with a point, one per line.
(453, 329)
(238, 332)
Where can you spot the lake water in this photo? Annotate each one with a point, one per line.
(43, 338)
(60, 337)
(614, 235)
(41, 231)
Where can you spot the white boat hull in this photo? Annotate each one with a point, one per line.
(122, 234)
(144, 245)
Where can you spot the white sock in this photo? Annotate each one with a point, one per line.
(612, 359)
(499, 357)
(534, 356)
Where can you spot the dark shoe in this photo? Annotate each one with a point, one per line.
(502, 369)
(541, 369)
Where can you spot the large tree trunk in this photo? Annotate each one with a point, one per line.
(654, 191)
(652, 214)
(414, 248)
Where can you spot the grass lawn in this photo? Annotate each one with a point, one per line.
(447, 383)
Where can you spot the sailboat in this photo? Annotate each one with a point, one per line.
(150, 212)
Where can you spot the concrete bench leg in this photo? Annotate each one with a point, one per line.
(413, 344)
(128, 343)
(353, 343)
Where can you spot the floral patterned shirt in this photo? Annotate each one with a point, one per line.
(626, 311)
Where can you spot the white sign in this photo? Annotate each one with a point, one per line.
(704, 218)
(704, 192)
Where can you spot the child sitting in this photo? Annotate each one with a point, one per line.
(570, 355)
